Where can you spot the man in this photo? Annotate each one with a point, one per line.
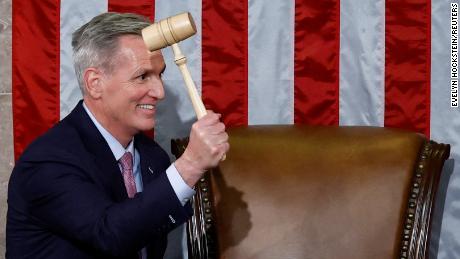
(94, 186)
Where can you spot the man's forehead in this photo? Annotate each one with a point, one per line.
(156, 54)
(156, 59)
(133, 48)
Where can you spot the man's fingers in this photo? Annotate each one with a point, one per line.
(214, 140)
(210, 119)
(225, 147)
(222, 138)
(208, 141)
(216, 129)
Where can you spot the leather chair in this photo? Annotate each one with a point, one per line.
(317, 192)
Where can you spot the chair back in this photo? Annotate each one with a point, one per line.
(317, 192)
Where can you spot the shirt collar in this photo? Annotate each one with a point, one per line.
(117, 149)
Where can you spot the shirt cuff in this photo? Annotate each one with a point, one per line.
(182, 190)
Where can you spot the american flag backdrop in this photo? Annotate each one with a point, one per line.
(319, 62)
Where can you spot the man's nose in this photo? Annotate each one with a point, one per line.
(156, 89)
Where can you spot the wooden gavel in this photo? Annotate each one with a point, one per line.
(168, 32)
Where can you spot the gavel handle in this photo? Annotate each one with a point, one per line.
(198, 106)
(181, 62)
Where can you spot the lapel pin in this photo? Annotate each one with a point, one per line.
(150, 169)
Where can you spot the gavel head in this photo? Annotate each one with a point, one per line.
(169, 31)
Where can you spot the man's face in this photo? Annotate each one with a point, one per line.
(132, 89)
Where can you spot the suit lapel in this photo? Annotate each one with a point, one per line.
(153, 160)
(106, 168)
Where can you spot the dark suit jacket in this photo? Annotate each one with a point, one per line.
(66, 198)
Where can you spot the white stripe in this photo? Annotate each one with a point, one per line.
(74, 13)
(190, 47)
(362, 57)
(271, 62)
(175, 113)
(445, 125)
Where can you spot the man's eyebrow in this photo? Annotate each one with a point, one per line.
(146, 69)
(140, 71)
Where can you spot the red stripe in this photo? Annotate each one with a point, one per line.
(225, 59)
(407, 64)
(35, 74)
(316, 62)
(142, 7)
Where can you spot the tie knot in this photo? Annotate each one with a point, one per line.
(126, 161)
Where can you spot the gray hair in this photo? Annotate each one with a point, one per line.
(95, 42)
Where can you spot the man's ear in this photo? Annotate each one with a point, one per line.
(93, 79)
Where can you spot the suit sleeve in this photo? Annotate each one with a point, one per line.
(63, 198)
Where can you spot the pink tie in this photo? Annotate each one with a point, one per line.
(126, 162)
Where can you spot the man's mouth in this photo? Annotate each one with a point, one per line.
(146, 106)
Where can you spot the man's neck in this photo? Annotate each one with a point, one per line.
(115, 131)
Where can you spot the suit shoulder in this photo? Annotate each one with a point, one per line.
(58, 143)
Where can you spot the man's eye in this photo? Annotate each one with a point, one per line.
(143, 77)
